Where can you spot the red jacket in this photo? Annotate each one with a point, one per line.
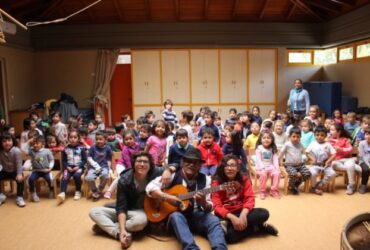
(345, 146)
(211, 155)
(225, 202)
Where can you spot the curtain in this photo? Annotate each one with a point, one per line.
(104, 69)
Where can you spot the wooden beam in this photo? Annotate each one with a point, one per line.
(328, 6)
(235, 9)
(349, 3)
(263, 9)
(177, 9)
(205, 9)
(119, 10)
(89, 12)
(306, 9)
(291, 11)
(147, 10)
(49, 9)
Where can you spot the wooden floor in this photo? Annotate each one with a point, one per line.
(306, 221)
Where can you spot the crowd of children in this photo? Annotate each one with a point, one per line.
(307, 147)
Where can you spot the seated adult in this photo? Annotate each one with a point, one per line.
(197, 217)
(235, 204)
(129, 215)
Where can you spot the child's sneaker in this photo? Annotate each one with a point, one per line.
(362, 189)
(294, 190)
(34, 197)
(61, 197)
(350, 189)
(2, 198)
(262, 196)
(96, 196)
(77, 196)
(107, 195)
(275, 194)
(20, 201)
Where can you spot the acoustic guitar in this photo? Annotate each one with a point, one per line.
(157, 210)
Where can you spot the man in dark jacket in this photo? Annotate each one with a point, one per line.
(129, 215)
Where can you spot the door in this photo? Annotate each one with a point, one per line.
(121, 93)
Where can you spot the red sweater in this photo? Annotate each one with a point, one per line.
(225, 202)
(211, 155)
(345, 146)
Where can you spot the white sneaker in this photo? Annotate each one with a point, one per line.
(34, 197)
(61, 197)
(20, 202)
(2, 198)
(77, 196)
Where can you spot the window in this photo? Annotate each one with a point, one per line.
(124, 59)
(346, 54)
(327, 56)
(363, 50)
(300, 57)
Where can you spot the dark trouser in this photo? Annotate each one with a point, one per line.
(35, 175)
(76, 177)
(295, 181)
(255, 220)
(365, 173)
(11, 176)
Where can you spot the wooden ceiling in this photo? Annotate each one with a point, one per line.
(141, 11)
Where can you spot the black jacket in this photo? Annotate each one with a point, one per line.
(128, 197)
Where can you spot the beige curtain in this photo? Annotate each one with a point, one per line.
(104, 69)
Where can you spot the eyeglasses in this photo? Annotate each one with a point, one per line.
(142, 161)
(232, 165)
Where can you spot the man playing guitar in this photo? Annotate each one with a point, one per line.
(197, 217)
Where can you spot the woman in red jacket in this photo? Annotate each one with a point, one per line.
(236, 205)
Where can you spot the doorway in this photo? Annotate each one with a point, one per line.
(121, 89)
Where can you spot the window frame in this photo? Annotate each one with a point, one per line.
(288, 51)
(365, 58)
(346, 47)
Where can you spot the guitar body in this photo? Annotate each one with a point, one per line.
(157, 210)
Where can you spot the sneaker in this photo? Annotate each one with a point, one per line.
(269, 229)
(51, 194)
(2, 198)
(107, 195)
(20, 202)
(362, 189)
(34, 197)
(96, 196)
(61, 197)
(97, 230)
(294, 190)
(262, 196)
(275, 194)
(77, 196)
(128, 241)
(350, 189)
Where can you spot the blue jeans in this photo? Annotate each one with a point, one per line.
(208, 170)
(76, 176)
(200, 222)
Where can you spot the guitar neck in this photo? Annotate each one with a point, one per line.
(205, 191)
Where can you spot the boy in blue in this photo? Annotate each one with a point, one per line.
(209, 118)
(178, 149)
(358, 134)
(144, 133)
(351, 123)
(99, 159)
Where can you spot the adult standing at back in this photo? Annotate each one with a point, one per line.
(299, 100)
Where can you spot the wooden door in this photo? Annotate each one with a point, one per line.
(175, 75)
(146, 77)
(204, 76)
(121, 92)
(262, 78)
(233, 80)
